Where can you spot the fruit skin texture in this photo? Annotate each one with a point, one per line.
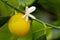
(18, 25)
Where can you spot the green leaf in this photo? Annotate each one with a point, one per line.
(4, 9)
(36, 32)
(5, 34)
(13, 2)
(49, 33)
(37, 29)
(56, 23)
(3, 20)
(42, 38)
(25, 2)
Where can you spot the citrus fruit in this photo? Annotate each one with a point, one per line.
(18, 25)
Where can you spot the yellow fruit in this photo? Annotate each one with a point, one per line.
(18, 25)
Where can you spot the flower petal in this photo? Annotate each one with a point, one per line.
(31, 9)
(26, 18)
(32, 16)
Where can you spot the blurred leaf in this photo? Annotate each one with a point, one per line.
(5, 10)
(37, 29)
(52, 6)
(25, 2)
(42, 38)
(53, 33)
(56, 23)
(3, 20)
(6, 35)
(48, 33)
(56, 33)
(13, 2)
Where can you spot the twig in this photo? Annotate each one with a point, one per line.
(47, 24)
(12, 6)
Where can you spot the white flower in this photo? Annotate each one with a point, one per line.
(28, 11)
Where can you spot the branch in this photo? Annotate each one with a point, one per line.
(47, 24)
(5, 2)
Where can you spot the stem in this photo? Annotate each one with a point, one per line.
(42, 29)
(5, 2)
(47, 24)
